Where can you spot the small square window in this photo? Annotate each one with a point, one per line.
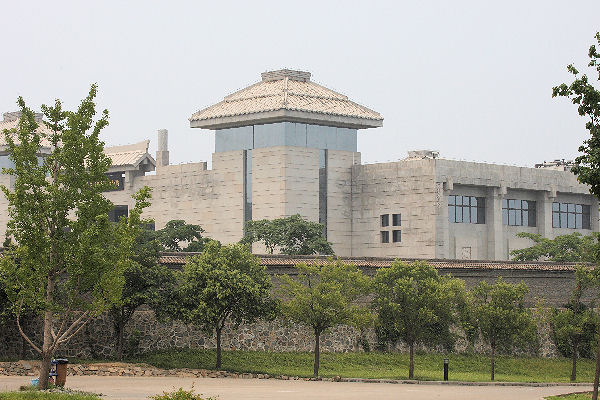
(385, 237)
(396, 236)
(397, 219)
(385, 220)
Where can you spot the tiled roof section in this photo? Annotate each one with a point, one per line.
(175, 259)
(128, 155)
(283, 90)
(12, 124)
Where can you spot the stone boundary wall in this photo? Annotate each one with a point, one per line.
(144, 333)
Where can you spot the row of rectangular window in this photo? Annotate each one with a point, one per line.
(570, 216)
(466, 209)
(518, 212)
(396, 220)
(396, 236)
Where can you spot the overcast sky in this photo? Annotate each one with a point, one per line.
(471, 79)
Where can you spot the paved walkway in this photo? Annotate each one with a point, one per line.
(137, 388)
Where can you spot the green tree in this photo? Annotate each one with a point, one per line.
(501, 317)
(69, 259)
(224, 284)
(291, 235)
(176, 232)
(586, 97)
(573, 247)
(416, 305)
(324, 295)
(573, 330)
(145, 280)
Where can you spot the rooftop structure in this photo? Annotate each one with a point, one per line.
(286, 95)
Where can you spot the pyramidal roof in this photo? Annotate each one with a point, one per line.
(286, 95)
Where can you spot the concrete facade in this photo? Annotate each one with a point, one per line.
(303, 161)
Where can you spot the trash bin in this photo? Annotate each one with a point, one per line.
(61, 371)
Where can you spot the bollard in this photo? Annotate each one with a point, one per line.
(446, 369)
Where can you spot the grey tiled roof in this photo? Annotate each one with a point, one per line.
(282, 90)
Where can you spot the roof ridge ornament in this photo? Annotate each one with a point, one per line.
(280, 74)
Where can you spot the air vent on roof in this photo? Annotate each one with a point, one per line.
(280, 74)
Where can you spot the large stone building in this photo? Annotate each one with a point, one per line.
(287, 145)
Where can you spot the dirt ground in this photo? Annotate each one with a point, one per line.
(133, 388)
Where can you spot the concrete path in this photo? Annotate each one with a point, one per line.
(137, 388)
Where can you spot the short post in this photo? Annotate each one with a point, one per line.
(446, 369)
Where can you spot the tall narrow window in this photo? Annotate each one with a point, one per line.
(385, 220)
(396, 236)
(247, 185)
(385, 236)
(323, 190)
(396, 219)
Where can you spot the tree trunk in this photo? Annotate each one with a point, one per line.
(316, 364)
(218, 348)
(574, 367)
(493, 361)
(48, 342)
(411, 363)
(597, 375)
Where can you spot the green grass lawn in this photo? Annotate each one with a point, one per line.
(33, 395)
(376, 365)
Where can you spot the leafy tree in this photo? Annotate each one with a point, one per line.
(292, 235)
(586, 97)
(224, 284)
(570, 248)
(145, 280)
(69, 259)
(501, 318)
(324, 295)
(177, 231)
(573, 330)
(416, 305)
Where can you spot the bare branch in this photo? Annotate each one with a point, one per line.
(61, 338)
(21, 330)
(66, 339)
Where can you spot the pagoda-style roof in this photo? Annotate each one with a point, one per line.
(130, 157)
(11, 122)
(286, 95)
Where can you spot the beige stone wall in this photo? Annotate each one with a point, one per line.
(404, 187)
(339, 199)
(285, 181)
(210, 198)
(493, 240)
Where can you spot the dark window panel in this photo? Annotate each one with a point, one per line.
(385, 237)
(396, 236)
(385, 220)
(397, 219)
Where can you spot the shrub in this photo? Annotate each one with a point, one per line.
(181, 394)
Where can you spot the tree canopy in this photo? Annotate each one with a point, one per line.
(68, 260)
(224, 284)
(573, 330)
(324, 295)
(501, 318)
(586, 96)
(583, 93)
(291, 235)
(176, 232)
(573, 247)
(416, 305)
